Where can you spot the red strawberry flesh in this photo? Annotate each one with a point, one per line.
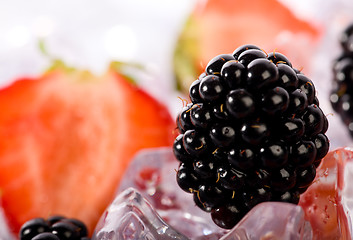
(67, 137)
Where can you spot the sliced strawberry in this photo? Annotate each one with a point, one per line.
(67, 137)
(220, 26)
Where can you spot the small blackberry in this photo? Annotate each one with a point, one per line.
(46, 236)
(253, 132)
(342, 92)
(55, 227)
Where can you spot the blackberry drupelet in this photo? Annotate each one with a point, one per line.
(342, 91)
(54, 228)
(253, 132)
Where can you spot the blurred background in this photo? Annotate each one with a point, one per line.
(90, 34)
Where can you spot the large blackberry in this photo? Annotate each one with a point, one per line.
(253, 132)
(55, 228)
(342, 92)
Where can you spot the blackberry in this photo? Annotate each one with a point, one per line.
(253, 132)
(33, 227)
(55, 227)
(227, 216)
(342, 91)
(46, 236)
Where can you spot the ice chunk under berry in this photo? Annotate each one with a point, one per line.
(272, 220)
(328, 201)
(131, 217)
(153, 174)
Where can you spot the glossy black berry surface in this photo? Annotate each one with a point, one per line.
(46, 236)
(253, 132)
(55, 227)
(32, 228)
(342, 90)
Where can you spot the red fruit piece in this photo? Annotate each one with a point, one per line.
(148, 177)
(322, 202)
(220, 26)
(67, 137)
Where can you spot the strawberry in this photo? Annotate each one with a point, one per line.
(67, 137)
(217, 26)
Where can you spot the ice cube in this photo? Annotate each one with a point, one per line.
(153, 174)
(131, 217)
(345, 160)
(328, 201)
(5, 233)
(272, 220)
(327, 205)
